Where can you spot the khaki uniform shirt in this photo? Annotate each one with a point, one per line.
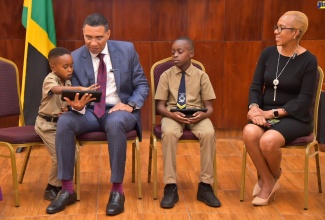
(197, 83)
(51, 103)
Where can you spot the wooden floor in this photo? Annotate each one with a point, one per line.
(95, 187)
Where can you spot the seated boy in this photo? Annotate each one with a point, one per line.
(195, 92)
(52, 107)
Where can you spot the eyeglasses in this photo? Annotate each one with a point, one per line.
(279, 28)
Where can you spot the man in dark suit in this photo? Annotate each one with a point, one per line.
(124, 91)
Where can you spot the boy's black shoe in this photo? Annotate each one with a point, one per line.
(51, 192)
(205, 194)
(170, 196)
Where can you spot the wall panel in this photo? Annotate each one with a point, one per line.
(168, 19)
(70, 15)
(243, 20)
(212, 55)
(206, 20)
(240, 62)
(228, 37)
(143, 49)
(131, 20)
(10, 21)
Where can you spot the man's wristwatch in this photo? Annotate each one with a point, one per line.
(133, 105)
(275, 113)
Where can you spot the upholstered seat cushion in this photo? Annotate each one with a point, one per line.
(101, 136)
(19, 135)
(187, 134)
(301, 141)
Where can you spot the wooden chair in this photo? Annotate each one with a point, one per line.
(101, 138)
(18, 136)
(305, 143)
(188, 137)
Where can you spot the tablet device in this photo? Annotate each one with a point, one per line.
(188, 112)
(72, 93)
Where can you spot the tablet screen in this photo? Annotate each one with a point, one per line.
(72, 93)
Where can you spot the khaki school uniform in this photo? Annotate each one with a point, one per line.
(198, 88)
(50, 107)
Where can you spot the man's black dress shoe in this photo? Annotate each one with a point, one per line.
(205, 194)
(61, 201)
(170, 196)
(51, 194)
(115, 203)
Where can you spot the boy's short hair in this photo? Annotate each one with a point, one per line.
(188, 40)
(57, 52)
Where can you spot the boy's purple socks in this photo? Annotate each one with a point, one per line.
(67, 185)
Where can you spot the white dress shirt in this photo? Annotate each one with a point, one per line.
(111, 90)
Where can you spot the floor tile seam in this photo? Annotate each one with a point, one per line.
(186, 205)
(98, 184)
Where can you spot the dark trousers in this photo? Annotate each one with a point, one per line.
(72, 124)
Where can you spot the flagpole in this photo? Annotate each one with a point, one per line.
(22, 93)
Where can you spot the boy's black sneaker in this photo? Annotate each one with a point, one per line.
(205, 194)
(51, 193)
(170, 196)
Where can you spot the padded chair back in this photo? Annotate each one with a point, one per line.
(156, 70)
(318, 91)
(16, 136)
(302, 141)
(9, 94)
(187, 137)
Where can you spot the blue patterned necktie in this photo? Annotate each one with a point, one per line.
(181, 100)
(99, 107)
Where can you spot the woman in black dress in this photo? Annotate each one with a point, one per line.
(282, 90)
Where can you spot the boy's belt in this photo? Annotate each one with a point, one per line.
(49, 119)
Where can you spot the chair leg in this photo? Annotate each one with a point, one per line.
(138, 162)
(306, 177)
(133, 162)
(150, 159)
(215, 182)
(77, 170)
(243, 174)
(14, 174)
(24, 166)
(155, 196)
(318, 169)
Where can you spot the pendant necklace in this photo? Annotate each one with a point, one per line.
(276, 81)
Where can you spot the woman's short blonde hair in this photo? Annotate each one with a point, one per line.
(300, 22)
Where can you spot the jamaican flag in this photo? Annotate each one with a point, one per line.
(38, 19)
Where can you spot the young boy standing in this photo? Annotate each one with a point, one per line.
(52, 107)
(194, 92)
